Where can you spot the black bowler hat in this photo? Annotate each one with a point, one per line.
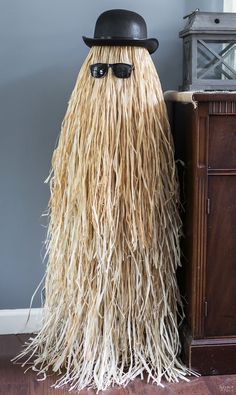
(121, 27)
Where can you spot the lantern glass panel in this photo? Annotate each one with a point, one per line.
(216, 59)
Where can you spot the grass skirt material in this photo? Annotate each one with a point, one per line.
(112, 299)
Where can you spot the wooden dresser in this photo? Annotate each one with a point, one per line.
(205, 140)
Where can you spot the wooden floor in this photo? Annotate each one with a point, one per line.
(13, 381)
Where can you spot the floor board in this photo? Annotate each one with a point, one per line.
(13, 380)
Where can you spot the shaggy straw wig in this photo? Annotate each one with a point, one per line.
(111, 303)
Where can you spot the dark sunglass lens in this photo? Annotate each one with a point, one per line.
(122, 70)
(98, 70)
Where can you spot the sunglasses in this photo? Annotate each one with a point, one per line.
(120, 70)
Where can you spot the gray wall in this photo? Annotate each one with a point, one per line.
(41, 53)
(204, 5)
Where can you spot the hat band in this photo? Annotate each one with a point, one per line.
(119, 38)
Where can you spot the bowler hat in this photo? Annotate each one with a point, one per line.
(121, 27)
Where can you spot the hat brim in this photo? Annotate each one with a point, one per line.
(151, 44)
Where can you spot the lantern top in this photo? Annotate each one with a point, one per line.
(210, 22)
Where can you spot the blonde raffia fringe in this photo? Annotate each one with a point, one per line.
(112, 299)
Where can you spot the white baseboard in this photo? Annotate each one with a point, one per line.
(15, 321)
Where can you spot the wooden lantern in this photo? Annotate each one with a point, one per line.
(209, 51)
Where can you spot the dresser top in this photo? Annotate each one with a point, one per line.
(199, 96)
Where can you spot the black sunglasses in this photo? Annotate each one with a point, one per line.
(120, 70)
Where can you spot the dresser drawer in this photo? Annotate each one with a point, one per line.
(222, 142)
